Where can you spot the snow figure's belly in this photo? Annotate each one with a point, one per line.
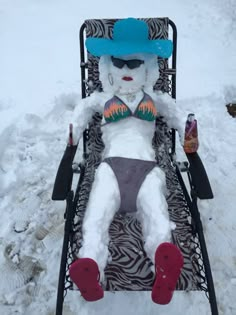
(129, 138)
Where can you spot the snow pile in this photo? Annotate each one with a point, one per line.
(29, 171)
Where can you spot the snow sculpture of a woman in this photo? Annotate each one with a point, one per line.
(128, 179)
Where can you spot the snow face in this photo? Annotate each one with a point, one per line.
(143, 77)
(136, 76)
(40, 74)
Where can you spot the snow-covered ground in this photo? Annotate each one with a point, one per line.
(39, 87)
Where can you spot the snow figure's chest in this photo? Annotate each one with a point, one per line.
(115, 109)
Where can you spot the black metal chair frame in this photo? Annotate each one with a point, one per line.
(198, 180)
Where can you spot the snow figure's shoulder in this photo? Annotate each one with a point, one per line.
(162, 98)
(93, 103)
(163, 102)
(100, 97)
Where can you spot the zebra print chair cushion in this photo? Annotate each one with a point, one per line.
(129, 268)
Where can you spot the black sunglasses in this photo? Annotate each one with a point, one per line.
(131, 64)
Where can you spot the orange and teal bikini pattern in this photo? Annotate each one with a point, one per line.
(115, 109)
(146, 109)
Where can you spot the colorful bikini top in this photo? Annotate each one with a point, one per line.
(115, 109)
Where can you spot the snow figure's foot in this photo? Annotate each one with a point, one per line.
(168, 264)
(84, 273)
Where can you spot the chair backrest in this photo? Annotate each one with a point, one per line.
(159, 28)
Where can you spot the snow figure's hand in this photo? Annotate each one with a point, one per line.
(72, 138)
(74, 135)
(181, 135)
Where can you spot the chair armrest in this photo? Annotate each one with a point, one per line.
(64, 176)
(199, 177)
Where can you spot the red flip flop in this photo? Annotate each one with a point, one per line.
(168, 264)
(85, 274)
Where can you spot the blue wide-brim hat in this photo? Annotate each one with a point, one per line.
(130, 36)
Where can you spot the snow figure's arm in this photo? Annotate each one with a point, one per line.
(84, 112)
(173, 115)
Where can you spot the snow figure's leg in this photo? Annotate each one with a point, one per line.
(156, 228)
(104, 202)
(153, 212)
